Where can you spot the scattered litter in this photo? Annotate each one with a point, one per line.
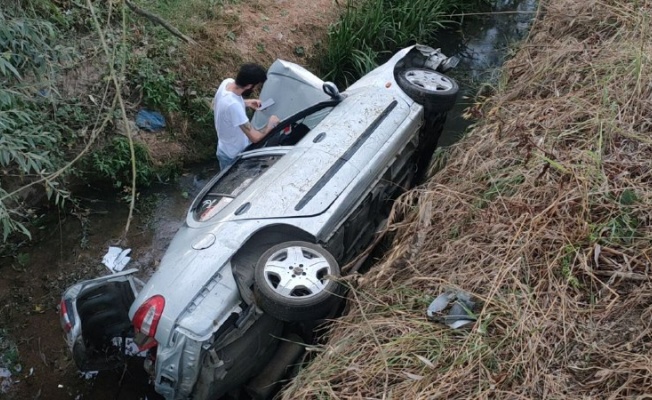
(88, 374)
(150, 121)
(116, 258)
(131, 348)
(5, 380)
(460, 312)
(8, 362)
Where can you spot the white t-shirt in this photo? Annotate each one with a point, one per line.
(229, 113)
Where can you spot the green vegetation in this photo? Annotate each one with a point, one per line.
(187, 15)
(113, 162)
(43, 127)
(31, 146)
(372, 29)
(52, 127)
(8, 353)
(158, 86)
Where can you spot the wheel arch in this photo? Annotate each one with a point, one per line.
(244, 260)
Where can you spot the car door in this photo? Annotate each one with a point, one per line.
(94, 317)
(289, 88)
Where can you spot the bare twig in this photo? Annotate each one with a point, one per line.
(623, 275)
(155, 18)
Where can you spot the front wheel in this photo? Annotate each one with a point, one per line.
(294, 281)
(429, 87)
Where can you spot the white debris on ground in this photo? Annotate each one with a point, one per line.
(5, 380)
(9, 362)
(116, 258)
(88, 374)
(131, 349)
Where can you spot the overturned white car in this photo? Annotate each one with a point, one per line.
(258, 256)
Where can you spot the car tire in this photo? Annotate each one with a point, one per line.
(429, 88)
(291, 282)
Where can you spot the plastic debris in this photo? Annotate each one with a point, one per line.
(460, 312)
(131, 348)
(116, 259)
(88, 374)
(5, 380)
(150, 121)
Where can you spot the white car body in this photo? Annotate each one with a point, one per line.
(355, 153)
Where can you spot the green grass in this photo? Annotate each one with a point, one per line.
(186, 15)
(371, 29)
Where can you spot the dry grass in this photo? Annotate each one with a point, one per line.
(543, 214)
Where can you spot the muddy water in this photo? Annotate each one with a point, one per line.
(70, 248)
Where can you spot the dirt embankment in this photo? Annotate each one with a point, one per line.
(542, 214)
(252, 31)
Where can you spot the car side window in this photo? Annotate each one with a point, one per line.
(237, 178)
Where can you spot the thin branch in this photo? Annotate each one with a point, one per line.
(123, 110)
(155, 18)
(623, 275)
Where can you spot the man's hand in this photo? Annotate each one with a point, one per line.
(256, 136)
(273, 121)
(254, 104)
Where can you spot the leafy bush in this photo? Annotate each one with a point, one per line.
(113, 162)
(157, 85)
(29, 143)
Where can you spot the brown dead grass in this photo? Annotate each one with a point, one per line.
(260, 31)
(542, 213)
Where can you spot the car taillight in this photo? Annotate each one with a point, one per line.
(148, 315)
(66, 319)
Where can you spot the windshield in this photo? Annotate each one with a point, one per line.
(236, 179)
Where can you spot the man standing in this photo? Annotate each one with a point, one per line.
(234, 131)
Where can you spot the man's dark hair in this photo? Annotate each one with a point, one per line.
(250, 74)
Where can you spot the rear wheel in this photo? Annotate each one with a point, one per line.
(429, 88)
(294, 281)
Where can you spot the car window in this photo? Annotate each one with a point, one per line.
(239, 177)
(291, 131)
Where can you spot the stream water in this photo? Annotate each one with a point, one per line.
(71, 248)
(482, 44)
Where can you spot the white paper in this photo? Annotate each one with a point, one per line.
(116, 258)
(131, 348)
(266, 104)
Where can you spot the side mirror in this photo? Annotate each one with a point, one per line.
(331, 90)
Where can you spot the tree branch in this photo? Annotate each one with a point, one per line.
(155, 18)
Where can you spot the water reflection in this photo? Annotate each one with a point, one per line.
(482, 43)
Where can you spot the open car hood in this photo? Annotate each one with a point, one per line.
(292, 89)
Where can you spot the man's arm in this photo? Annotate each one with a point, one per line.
(256, 136)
